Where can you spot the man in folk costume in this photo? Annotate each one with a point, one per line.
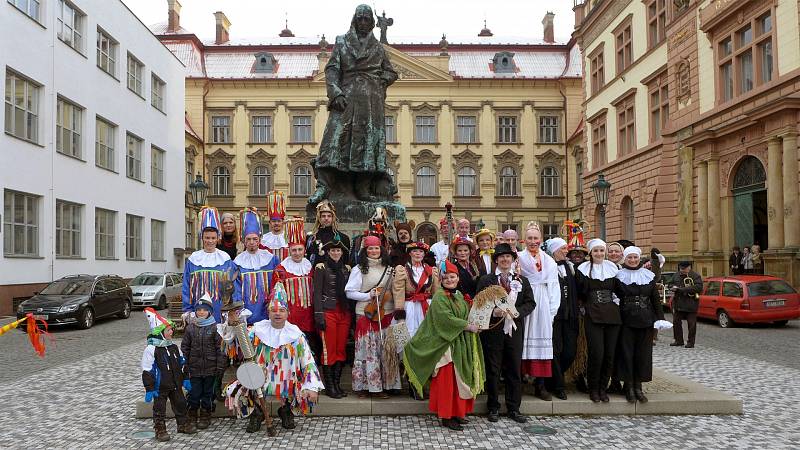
(404, 232)
(541, 272)
(503, 341)
(441, 249)
(275, 240)
(255, 267)
(413, 287)
(325, 228)
(332, 313)
(446, 350)
(207, 268)
(483, 257)
(565, 325)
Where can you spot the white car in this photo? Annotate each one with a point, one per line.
(154, 288)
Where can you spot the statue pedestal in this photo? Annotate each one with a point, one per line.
(353, 214)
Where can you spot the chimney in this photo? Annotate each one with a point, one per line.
(547, 22)
(580, 12)
(173, 16)
(223, 25)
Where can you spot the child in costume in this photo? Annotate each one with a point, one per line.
(205, 359)
(255, 267)
(164, 376)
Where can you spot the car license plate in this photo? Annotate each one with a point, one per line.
(774, 303)
(41, 316)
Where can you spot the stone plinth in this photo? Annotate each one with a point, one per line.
(358, 212)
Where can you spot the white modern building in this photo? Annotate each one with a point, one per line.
(92, 157)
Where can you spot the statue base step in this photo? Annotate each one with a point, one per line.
(356, 213)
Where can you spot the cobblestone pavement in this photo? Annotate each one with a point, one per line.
(89, 403)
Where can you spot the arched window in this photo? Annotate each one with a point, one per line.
(426, 232)
(426, 182)
(508, 182)
(302, 181)
(261, 183)
(467, 182)
(549, 182)
(221, 181)
(628, 219)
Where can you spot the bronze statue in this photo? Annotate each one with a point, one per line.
(383, 24)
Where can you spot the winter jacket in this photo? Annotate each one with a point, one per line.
(163, 368)
(325, 292)
(685, 298)
(202, 349)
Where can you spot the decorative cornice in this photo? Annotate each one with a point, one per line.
(467, 158)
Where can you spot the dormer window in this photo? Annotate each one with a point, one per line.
(265, 63)
(504, 62)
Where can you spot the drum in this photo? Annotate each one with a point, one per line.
(251, 375)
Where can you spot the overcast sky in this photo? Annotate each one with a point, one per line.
(413, 18)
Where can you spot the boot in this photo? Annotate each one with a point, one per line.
(603, 396)
(330, 387)
(637, 391)
(287, 418)
(629, 394)
(187, 427)
(204, 420)
(161, 431)
(337, 378)
(452, 424)
(256, 419)
(541, 392)
(191, 414)
(594, 396)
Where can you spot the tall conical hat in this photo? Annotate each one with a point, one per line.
(251, 222)
(157, 323)
(209, 218)
(276, 205)
(295, 231)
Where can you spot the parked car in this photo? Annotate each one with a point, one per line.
(154, 288)
(748, 299)
(79, 299)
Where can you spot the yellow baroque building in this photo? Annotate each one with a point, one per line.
(482, 123)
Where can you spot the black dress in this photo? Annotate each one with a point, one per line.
(565, 326)
(467, 279)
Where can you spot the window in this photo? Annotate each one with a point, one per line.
(301, 129)
(467, 182)
(507, 129)
(22, 107)
(157, 88)
(135, 75)
(220, 129)
(68, 128)
(550, 182)
(730, 289)
(508, 182)
(624, 46)
(189, 234)
(134, 157)
(659, 107)
(548, 129)
(157, 167)
(425, 129)
(712, 288)
(628, 219)
(598, 76)
(133, 237)
(105, 228)
(391, 131)
(549, 231)
(508, 226)
(21, 224)
(302, 180)
(626, 133)
(426, 182)
(104, 144)
(771, 287)
(157, 240)
(69, 24)
(189, 171)
(106, 53)
(29, 7)
(745, 57)
(262, 181)
(261, 129)
(68, 229)
(599, 150)
(466, 131)
(656, 21)
(221, 181)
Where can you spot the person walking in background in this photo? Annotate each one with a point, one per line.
(685, 303)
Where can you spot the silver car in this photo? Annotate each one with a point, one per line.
(154, 288)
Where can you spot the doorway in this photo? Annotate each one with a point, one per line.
(750, 203)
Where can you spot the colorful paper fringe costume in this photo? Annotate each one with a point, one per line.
(297, 279)
(205, 271)
(35, 334)
(255, 270)
(276, 242)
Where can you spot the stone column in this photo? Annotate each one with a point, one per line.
(791, 202)
(714, 213)
(774, 194)
(702, 206)
(686, 198)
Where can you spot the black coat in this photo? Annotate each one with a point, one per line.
(525, 303)
(685, 299)
(315, 241)
(171, 370)
(327, 294)
(568, 309)
(648, 309)
(468, 282)
(202, 349)
(604, 313)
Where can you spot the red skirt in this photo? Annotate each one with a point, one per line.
(444, 400)
(542, 368)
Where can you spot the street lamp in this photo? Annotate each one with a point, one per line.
(480, 224)
(199, 189)
(601, 187)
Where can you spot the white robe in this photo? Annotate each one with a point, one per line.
(538, 342)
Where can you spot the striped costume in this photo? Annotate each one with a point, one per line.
(254, 281)
(204, 272)
(297, 279)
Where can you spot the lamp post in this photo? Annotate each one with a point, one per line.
(480, 224)
(601, 187)
(199, 189)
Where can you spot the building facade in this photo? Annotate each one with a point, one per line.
(480, 123)
(714, 161)
(93, 124)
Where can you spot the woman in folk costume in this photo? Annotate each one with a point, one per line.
(207, 268)
(446, 351)
(413, 287)
(542, 273)
(640, 307)
(274, 240)
(483, 256)
(369, 283)
(332, 313)
(255, 267)
(468, 273)
(229, 236)
(596, 284)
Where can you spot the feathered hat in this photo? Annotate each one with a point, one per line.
(276, 205)
(295, 231)
(462, 241)
(209, 218)
(574, 231)
(278, 298)
(326, 206)
(251, 222)
(157, 323)
(419, 245)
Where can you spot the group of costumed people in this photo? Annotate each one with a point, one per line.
(448, 321)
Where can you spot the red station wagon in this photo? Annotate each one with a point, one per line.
(748, 299)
